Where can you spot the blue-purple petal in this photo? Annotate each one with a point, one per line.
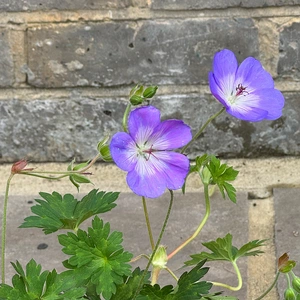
(141, 123)
(162, 170)
(170, 134)
(216, 90)
(253, 76)
(122, 150)
(258, 105)
(224, 69)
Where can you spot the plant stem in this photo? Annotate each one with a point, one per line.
(201, 225)
(202, 129)
(148, 223)
(171, 272)
(3, 245)
(156, 245)
(125, 117)
(270, 288)
(239, 277)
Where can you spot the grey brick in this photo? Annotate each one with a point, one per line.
(6, 60)
(60, 129)
(40, 5)
(57, 129)
(216, 4)
(289, 47)
(157, 52)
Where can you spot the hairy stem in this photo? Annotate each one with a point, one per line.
(270, 287)
(156, 245)
(239, 277)
(202, 129)
(3, 245)
(201, 225)
(148, 223)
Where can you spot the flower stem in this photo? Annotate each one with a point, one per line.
(3, 245)
(270, 288)
(156, 245)
(148, 223)
(239, 277)
(202, 129)
(201, 225)
(125, 117)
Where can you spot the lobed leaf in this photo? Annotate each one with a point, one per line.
(222, 249)
(99, 255)
(56, 212)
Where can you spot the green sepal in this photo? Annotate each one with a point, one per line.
(136, 100)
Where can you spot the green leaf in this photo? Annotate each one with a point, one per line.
(189, 287)
(220, 174)
(127, 289)
(99, 255)
(65, 212)
(222, 249)
(33, 284)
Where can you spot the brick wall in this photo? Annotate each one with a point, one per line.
(67, 68)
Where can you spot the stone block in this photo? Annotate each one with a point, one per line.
(6, 60)
(61, 129)
(215, 4)
(289, 45)
(42, 5)
(152, 52)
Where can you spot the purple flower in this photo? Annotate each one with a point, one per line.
(246, 91)
(145, 153)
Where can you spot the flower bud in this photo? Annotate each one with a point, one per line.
(136, 100)
(289, 294)
(296, 284)
(19, 166)
(160, 258)
(105, 153)
(150, 91)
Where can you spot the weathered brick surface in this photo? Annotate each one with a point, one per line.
(36, 5)
(6, 60)
(217, 4)
(58, 130)
(289, 47)
(159, 52)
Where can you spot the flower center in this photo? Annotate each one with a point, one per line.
(145, 151)
(240, 90)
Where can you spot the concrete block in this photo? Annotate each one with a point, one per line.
(24, 244)
(215, 4)
(153, 52)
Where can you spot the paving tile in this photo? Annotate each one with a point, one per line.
(287, 227)
(23, 244)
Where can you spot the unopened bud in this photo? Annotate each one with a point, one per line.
(296, 284)
(289, 294)
(136, 100)
(19, 166)
(160, 258)
(150, 91)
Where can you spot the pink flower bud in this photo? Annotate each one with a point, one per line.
(19, 166)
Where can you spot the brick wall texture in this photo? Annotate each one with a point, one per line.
(67, 68)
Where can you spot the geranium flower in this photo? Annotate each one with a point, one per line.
(145, 152)
(246, 91)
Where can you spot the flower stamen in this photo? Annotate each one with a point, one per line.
(150, 151)
(240, 90)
